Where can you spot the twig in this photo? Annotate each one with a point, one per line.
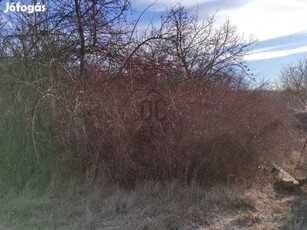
(301, 153)
(33, 125)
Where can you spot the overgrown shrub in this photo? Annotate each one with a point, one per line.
(126, 130)
(169, 104)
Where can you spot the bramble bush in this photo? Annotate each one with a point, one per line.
(131, 129)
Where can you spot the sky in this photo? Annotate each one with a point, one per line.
(279, 26)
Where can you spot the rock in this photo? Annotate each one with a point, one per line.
(284, 179)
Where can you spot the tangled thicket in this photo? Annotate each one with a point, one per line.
(125, 130)
(171, 104)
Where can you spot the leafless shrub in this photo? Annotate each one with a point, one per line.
(294, 79)
(131, 131)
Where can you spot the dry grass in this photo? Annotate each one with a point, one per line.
(149, 206)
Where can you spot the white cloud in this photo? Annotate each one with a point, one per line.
(260, 55)
(267, 19)
(270, 48)
(264, 19)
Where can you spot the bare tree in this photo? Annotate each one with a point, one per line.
(77, 32)
(197, 48)
(96, 32)
(97, 25)
(294, 80)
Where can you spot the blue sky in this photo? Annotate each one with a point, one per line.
(279, 26)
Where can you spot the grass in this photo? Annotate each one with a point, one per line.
(149, 206)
